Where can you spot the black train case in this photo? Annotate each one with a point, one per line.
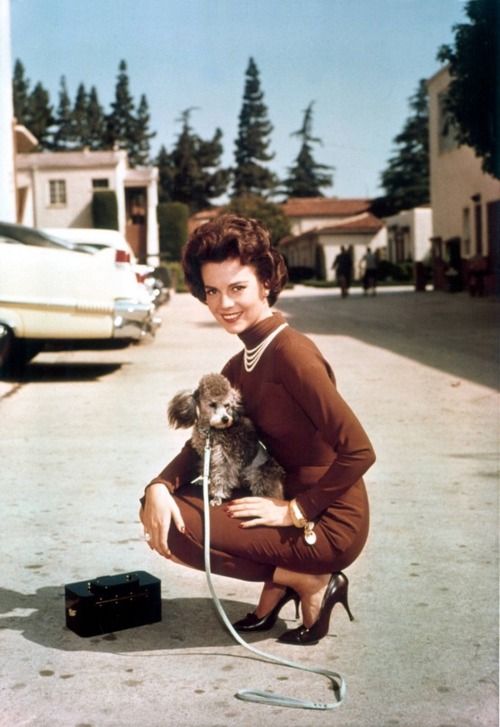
(112, 603)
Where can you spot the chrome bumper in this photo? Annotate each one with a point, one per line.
(133, 320)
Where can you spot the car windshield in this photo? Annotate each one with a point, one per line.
(36, 238)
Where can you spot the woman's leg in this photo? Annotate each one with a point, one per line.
(270, 596)
(311, 589)
(253, 553)
(188, 548)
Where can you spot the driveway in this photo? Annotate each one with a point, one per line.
(82, 433)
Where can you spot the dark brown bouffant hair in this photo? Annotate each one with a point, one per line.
(230, 236)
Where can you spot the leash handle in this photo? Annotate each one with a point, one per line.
(257, 695)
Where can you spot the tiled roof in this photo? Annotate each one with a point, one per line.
(25, 140)
(324, 207)
(363, 224)
(366, 223)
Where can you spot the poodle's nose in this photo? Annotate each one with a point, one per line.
(225, 419)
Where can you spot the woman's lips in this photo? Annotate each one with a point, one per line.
(230, 317)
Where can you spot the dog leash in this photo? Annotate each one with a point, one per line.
(257, 695)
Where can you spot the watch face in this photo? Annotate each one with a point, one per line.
(310, 537)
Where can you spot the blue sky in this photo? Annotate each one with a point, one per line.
(359, 60)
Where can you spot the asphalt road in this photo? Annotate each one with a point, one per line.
(83, 431)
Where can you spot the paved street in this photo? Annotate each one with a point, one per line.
(83, 431)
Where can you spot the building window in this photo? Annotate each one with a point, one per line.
(100, 184)
(57, 192)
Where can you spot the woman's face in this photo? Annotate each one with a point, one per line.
(235, 296)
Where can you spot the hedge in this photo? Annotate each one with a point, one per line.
(105, 209)
(173, 228)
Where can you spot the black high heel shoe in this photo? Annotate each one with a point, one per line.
(252, 623)
(336, 592)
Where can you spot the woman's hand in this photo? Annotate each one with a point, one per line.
(158, 511)
(270, 511)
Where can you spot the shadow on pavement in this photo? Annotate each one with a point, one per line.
(186, 623)
(451, 333)
(63, 371)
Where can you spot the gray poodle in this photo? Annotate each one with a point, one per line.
(238, 458)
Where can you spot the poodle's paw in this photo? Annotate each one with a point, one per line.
(214, 501)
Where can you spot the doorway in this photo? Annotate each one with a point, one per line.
(136, 214)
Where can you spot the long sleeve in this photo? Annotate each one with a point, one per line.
(181, 469)
(309, 381)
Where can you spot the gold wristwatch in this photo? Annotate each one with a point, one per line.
(300, 521)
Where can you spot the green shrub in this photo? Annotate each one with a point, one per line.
(105, 209)
(269, 213)
(172, 276)
(388, 271)
(173, 229)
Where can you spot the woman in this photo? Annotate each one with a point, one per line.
(297, 546)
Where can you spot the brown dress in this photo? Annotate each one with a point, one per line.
(291, 397)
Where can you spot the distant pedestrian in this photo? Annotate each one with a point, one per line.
(343, 270)
(369, 263)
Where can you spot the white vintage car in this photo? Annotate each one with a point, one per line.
(125, 258)
(55, 291)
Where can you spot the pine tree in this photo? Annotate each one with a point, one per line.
(186, 174)
(215, 178)
(121, 121)
(40, 118)
(80, 127)
(32, 109)
(191, 173)
(96, 123)
(64, 134)
(140, 148)
(406, 179)
(306, 176)
(254, 129)
(21, 95)
(166, 174)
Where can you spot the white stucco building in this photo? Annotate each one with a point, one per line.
(465, 200)
(55, 189)
(409, 235)
(321, 226)
(313, 213)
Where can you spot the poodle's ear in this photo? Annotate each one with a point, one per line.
(237, 408)
(182, 410)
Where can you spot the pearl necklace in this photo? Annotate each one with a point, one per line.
(251, 356)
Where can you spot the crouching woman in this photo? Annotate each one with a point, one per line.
(298, 546)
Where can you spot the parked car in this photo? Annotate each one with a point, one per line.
(99, 240)
(125, 257)
(53, 290)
